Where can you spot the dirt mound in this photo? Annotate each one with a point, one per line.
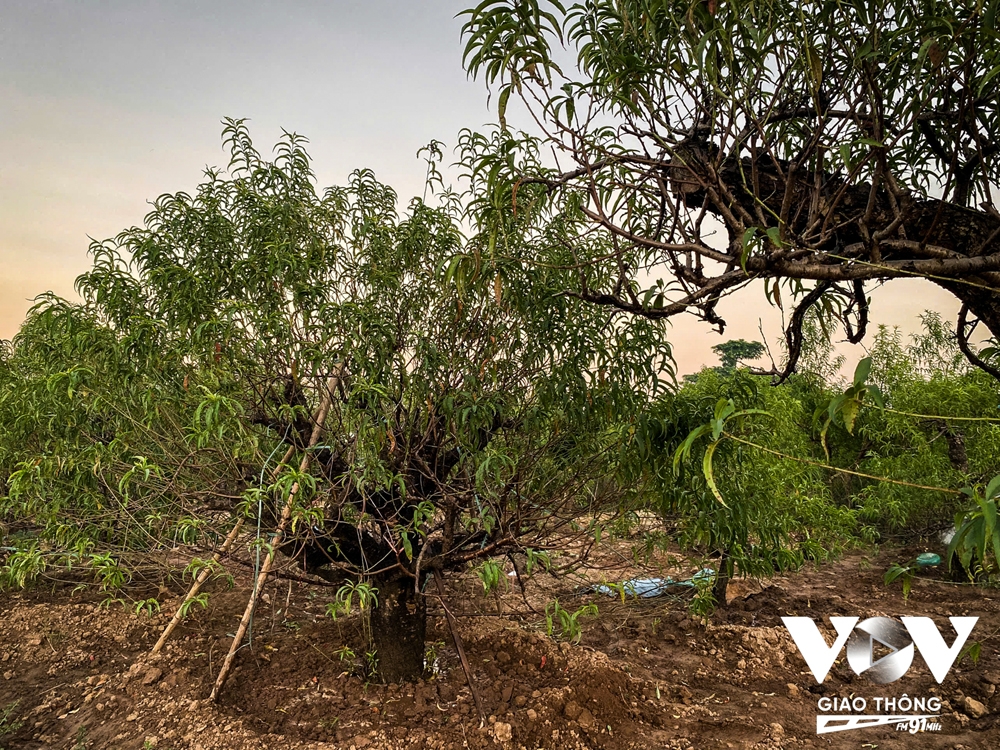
(535, 692)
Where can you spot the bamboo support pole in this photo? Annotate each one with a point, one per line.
(196, 586)
(207, 571)
(286, 514)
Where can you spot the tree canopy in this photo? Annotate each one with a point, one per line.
(737, 350)
(817, 145)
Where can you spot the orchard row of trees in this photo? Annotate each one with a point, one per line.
(386, 394)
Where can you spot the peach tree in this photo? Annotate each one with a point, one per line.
(262, 348)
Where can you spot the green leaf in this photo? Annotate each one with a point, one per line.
(849, 411)
(682, 453)
(956, 540)
(845, 155)
(502, 106)
(774, 234)
(973, 651)
(877, 397)
(815, 66)
(822, 438)
(993, 488)
(723, 408)
(749, 244)
(894, 572)
(862, 371)
(989, 510)
(706, 467)
(986, 79)
(996, 546)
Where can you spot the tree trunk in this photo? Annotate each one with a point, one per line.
(984, 305)
(956, 451)
(956, 247)
(399, 629)
(722, 578)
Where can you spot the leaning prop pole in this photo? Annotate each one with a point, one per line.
(286, 514)
(196, 586)
(453, 626)
(199, 581)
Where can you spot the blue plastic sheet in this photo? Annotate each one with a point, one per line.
(647, 588)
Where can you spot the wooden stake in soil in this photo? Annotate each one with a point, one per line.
(193, 591)
(286, 514)
(460, 648)
(207, 570)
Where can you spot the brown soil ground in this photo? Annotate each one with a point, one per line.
(645, 674)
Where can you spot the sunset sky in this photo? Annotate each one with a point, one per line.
(104, 106)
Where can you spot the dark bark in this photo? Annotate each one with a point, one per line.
(863, 234)
(956, 451)
(984, 304)
(283, 393)
(722, 577)
(957, 455)
(837, 233)
(399, 630)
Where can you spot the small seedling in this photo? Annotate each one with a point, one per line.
(431, 656)
(534, 558)
(201, 599)
(345, 653)
(108, 601)
(567, 622)
(703, 603)
(371, 661)
(973, 651)
(492, 576)
(149, 606)
(903, 573)
(367, 596)
(7, 723)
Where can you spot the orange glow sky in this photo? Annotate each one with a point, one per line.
(105, 106)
